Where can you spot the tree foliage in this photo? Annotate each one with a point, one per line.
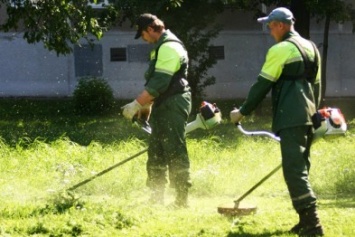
(339, 10)
(193, 23)
(57, 23)
(197, 34)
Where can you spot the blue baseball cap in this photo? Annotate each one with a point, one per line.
(280, 14)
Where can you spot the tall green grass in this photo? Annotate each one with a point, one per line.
(45, 149)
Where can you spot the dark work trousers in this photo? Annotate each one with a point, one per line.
(167, 152)
(295, 150)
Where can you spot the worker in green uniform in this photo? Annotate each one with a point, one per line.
(166, 102)
(295, 98)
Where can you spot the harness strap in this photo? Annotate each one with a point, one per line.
(166, 41)
(310, 67)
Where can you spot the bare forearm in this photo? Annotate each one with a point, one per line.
(144, 98)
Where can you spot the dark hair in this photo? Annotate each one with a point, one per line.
(148, 20)
(157, 25)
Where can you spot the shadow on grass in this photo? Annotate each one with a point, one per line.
(337, 202)
(26, 120)
(266, 234)
(79, 130)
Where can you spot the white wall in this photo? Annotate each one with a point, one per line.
(245, 54)
(30, 70)
(125, 78)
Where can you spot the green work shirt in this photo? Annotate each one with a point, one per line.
(161, 70)
(294, 101)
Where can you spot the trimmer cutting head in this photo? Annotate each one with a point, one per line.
(236, 209)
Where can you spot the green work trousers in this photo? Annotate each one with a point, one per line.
(167, 152)
(295, 150)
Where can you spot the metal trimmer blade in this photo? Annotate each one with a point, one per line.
(237, 209)
(142, 124)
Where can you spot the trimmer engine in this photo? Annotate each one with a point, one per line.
(208, 117)
(330, 121)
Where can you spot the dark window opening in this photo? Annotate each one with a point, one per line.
(217, 52)
(118, 54)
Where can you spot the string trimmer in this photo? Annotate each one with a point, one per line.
(208, 117)
(237, 209)
(327, 121)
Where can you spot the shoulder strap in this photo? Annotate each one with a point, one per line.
(301, 50)
(166, 41)
(178, 83)
(311, 67)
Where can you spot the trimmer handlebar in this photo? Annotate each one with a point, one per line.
(257, 133)
(209, 117)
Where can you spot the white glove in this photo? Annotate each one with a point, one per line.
(131, 109)
(235, 116)
(144, 112)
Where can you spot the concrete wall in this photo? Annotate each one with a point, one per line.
(245, 54)
(126, 78)
(31, 70)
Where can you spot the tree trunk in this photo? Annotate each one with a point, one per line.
(325, 56)
(301, 13)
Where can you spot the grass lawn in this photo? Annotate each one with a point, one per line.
(46, 148)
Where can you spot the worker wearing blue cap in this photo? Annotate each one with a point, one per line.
(291, 72)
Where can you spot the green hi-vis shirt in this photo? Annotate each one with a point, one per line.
(294, 101)
(171, 56)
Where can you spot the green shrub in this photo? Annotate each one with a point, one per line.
(93, 96)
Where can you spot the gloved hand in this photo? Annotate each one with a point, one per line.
(144, 112)
(131, 109)
(235, 116)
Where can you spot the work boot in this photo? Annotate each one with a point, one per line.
(296, 229)
(157, 197)
(309, 224)
(181, 200)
